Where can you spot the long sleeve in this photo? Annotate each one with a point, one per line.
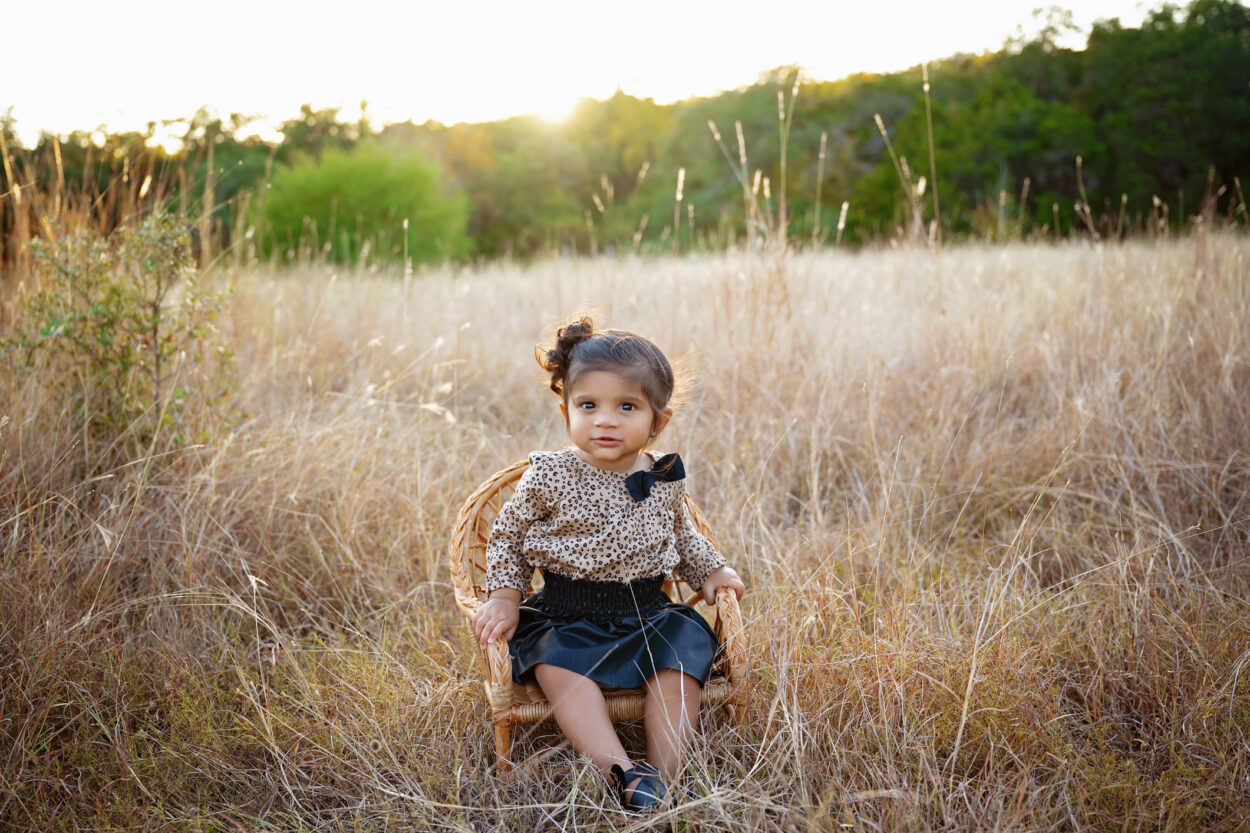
(506, 564)
(698, 558)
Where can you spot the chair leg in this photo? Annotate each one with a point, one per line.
(503, 746)
(499, 693)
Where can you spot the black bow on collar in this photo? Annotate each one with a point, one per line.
(668, 468)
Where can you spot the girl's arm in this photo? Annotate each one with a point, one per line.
(498, 617)
(722, 577)
(506, 564)
(508, 571)
(699, 560)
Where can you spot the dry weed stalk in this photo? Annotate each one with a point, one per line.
(928, 117)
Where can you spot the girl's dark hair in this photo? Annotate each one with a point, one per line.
(579, 349)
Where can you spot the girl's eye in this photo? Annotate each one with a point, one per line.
(586, 406)
(627, 406)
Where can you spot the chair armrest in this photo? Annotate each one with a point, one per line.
(729, 629)
(494, 660)
(468, 603)
(498, 667)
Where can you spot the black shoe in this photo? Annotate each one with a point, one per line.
(646, 794)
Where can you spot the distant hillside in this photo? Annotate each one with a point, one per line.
(1158, 115)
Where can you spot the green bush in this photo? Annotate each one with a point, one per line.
(119, 332)
(360, 206)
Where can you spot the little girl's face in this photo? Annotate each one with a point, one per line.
(610, 420)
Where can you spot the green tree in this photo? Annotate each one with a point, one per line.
(316, 131)
(362, 205)
(1170, 98)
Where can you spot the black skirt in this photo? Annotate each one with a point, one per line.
(617, 634)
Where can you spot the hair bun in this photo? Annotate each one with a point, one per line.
(574, 333)
(557, 359)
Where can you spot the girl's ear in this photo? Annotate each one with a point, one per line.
(661, 420)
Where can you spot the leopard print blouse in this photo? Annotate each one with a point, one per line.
(577, 519)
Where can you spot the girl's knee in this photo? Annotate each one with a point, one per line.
(670, 683)
(672, 675)
(545, 669)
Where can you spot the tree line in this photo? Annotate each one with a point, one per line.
(1140, 131)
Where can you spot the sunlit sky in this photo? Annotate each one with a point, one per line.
(84, 63)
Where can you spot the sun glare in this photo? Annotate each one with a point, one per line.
(553, 109)
(518, 63)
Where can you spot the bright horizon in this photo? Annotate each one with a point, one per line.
(150, 62)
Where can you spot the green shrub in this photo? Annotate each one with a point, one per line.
(362, 205)
(119, 332)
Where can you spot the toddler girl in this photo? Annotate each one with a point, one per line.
(606, 522)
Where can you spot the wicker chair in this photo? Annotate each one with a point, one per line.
(511, 704)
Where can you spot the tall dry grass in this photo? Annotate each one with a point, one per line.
(991, 507)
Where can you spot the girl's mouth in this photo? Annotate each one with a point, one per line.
(605, 441)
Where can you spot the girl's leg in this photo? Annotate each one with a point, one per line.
(582, 714)
(671, 709)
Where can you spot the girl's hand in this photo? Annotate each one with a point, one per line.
(718, 578)
(497, 618)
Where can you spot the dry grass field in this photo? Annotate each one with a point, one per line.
(992, 507)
